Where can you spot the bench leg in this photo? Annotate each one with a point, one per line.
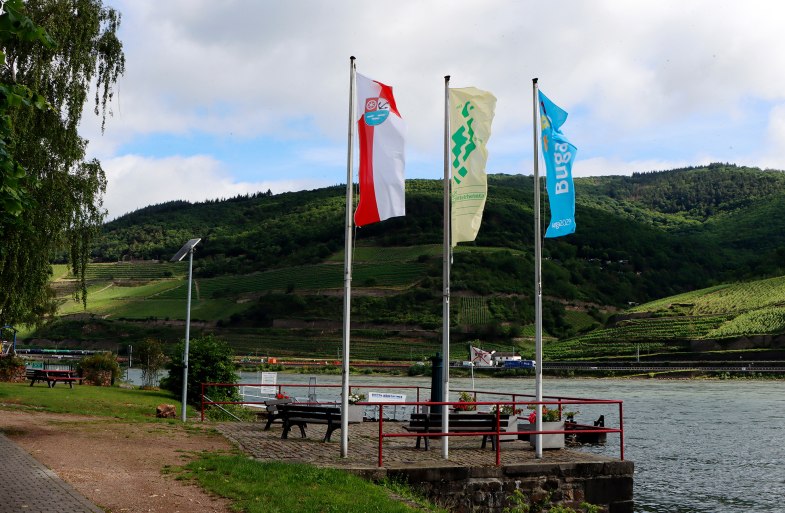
(71, 384)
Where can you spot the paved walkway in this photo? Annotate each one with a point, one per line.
(398, 452)
(27, 486)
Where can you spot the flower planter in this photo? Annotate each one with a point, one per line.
(550, 441)
(510, 424)
(356, 413)
(524, 425)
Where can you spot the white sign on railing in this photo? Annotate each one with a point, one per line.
(383, 397)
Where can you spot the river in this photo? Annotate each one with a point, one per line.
(699, 446)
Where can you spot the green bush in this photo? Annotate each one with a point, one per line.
(419, 370)
(209, 361)
(10, 365)
(93, 366)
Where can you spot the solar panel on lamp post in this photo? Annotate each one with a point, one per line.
(188, 248)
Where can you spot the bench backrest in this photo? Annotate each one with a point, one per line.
(305, 411)
(272, 402)
(478, 421)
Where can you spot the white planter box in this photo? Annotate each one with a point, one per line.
(550, 441)
(509, 425)
(356, 413)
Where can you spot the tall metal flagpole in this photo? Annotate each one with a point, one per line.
(537, 279)
(446, 273)
(347, 271)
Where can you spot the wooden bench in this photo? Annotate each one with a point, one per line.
(273, 412)
(459, 422)
(301, 415)
(52, 377)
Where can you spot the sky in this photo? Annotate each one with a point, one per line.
(229, 97)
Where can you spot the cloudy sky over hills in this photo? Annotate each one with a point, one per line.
(226, 97)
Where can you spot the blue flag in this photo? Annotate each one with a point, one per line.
(559, 155)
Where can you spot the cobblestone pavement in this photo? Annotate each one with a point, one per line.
(400, 452)
(27, 486)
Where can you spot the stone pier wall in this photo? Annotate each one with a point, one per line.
(487, 489)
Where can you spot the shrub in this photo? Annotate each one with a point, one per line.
(419, 369)
(100, 368)
(11, 368)
(209, 361)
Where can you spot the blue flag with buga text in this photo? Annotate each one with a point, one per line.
(559, 155)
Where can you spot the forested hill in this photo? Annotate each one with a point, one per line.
(638, 237)
(693, 193)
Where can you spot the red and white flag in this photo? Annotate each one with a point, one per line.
(381, 135)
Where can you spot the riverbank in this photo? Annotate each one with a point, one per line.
(588, 372)
(122, 458)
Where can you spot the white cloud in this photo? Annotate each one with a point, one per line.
(249, 66)
(602, 166)
(134, 182)
(774, 153)
(279, 70)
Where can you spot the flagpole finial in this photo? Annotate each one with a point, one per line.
(534, 80)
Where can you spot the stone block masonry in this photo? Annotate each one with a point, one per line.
(487, 489)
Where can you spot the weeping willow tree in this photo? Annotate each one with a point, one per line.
(60, 192)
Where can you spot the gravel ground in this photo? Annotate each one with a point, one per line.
(118, 465)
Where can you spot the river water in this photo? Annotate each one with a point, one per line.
(698, 446)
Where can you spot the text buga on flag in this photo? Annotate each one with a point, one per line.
(559, 154)
(380, 130)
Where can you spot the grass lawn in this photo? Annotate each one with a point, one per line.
(252, 486)
(120, 403)
(257, 487)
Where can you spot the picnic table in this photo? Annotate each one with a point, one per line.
(52, 376)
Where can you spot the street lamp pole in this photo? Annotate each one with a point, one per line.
(188, 248)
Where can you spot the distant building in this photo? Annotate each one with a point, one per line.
(500, 358)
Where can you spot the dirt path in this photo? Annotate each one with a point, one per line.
(119, 466)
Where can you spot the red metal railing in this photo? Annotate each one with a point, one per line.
(499, 432)
(515, 403)
(283, 386)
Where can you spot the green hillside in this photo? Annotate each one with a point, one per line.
(734, 317)
(270, 267)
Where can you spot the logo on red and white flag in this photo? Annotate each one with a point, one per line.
(376, 111)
